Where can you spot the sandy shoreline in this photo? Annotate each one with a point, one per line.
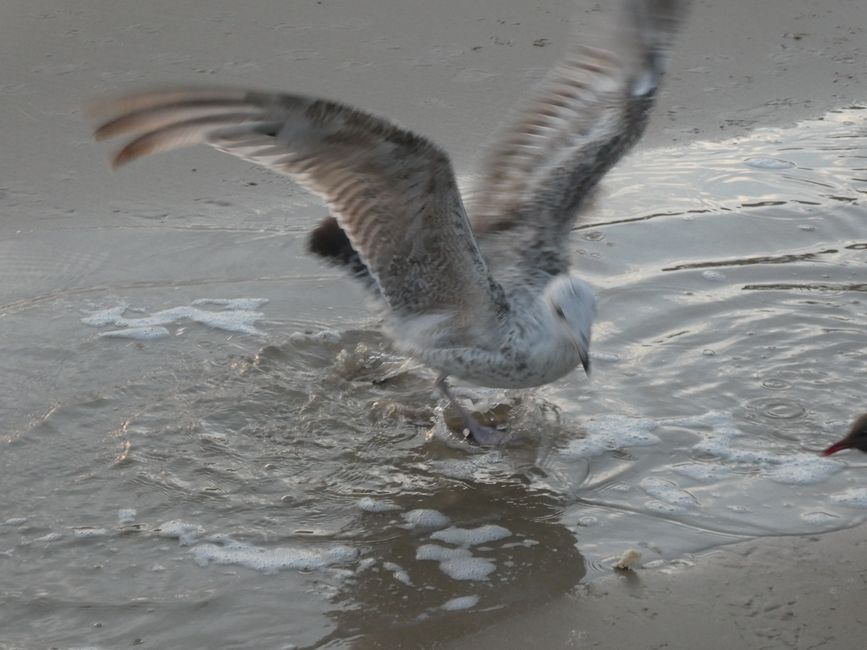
(739, 65)
(784, 592)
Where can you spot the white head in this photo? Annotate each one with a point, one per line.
(573, 308)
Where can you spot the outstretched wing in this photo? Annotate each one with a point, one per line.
(590, 109)
(393, 192)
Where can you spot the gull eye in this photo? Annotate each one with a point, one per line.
(559, 311)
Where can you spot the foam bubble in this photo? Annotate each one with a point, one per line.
(87, 532)
(440, 553)
(271, 560)
(126, 515)
(470, 469)
(668, 492)
(367, 504)
(15, 521)
(605, 356)
(329, 336)
(788, 469)
(804, 469)
(398, 572)
(818, 517)
(182, 531)
(230, 319)
(663, 507)
(324, 336)
(468, 568)
(607, 433)
(704, 472)
(104, 317)
(722, 448)
(138, 333)
(462, 602)
(855, 497)
(425, 518)
(471, 536)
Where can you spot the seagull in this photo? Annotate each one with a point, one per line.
(483, 290)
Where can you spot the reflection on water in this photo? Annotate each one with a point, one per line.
(305, 486)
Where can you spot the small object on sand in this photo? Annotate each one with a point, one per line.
(629, 559)
(855, 439)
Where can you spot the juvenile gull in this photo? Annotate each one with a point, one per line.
(484, 294)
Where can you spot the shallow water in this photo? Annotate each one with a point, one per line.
(180, 467)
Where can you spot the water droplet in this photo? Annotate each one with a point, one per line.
(708, 353)
(593, 235)
(776, 384)
(807, 227)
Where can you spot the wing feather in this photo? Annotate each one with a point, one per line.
(393, 192)
(589, 110)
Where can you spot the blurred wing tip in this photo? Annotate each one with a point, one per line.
(121, 158)
(133, 151)
(103, 132)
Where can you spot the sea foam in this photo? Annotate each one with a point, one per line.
(462, 602)
(854, 497)
(272, 560)
(468, 568)
(237, 315)
(471, 536)
(425, 518)
(607, 433)
(368, 504)
(440, 553)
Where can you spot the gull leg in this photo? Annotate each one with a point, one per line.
(486, 436)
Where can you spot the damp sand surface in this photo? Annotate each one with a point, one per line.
(206, 443)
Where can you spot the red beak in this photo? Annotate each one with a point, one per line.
(837, 446)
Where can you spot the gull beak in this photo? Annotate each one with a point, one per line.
(583, 349)
(585, 360)
(837, 446)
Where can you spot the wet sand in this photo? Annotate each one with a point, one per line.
(738, 65)
(791, 592)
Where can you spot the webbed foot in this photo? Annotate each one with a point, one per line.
(478, 433)
(482, 435)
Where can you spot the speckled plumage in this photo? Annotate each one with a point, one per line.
(489, 298)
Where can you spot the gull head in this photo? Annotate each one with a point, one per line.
(573, 308)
